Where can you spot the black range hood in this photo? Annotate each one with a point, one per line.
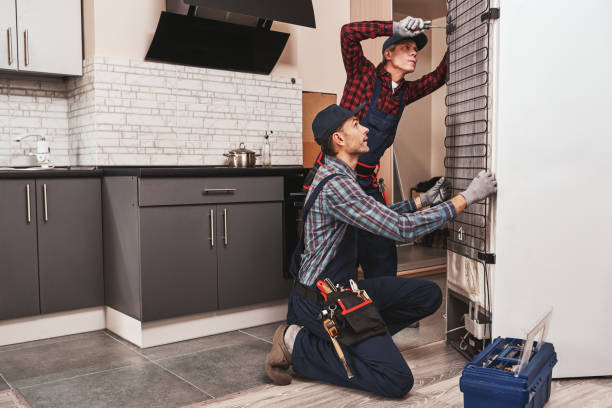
(203, 42)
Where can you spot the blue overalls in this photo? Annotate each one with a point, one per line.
(377, 364)
(377, 255)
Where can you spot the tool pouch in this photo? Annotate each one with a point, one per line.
(356, 317)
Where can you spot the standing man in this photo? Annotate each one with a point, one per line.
(385, 93)
(335, 207)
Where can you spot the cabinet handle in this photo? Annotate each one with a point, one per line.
(28, 203)
(225, 226)
(212, 228)
(45, 202)
(9, 38)
(26, 50)
(218, 190)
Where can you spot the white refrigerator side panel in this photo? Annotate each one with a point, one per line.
(554, 167)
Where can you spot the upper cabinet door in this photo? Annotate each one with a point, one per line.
(50, 36)
(8, 35)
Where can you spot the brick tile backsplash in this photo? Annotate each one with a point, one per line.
(124, 112)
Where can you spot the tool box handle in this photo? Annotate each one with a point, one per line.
(541, 327)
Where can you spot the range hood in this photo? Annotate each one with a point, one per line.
(226, 34)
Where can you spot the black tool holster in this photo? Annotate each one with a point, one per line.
(354, 315)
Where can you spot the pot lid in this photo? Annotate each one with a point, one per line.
(241, 149)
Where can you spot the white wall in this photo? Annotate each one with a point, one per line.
(553, 166)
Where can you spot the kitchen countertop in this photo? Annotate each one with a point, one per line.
(137, 171)
(56, 172)
(204, 171)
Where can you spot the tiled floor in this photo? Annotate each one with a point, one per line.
(98, 369)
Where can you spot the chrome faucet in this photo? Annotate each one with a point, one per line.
(43, 149)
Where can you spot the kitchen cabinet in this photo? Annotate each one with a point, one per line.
(69, 214)
(50, 246)
(41, 36)
(18, 249)
(176, 246)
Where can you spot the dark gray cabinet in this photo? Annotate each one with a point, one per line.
(179, 265)
(69, 243)
(250, 257)
(18, 249)
(180, 246)
(50, 245)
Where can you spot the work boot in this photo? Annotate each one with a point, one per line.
(278, 360)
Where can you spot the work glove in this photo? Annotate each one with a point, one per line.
(483, 185)
(408, 27)
(439, 193)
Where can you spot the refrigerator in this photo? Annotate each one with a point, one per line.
(529, 97)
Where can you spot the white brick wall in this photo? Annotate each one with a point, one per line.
(33, 105)
(140, 113)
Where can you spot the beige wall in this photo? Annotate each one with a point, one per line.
(124, 29)
(120, 28)
(419, 144)
(314, 54)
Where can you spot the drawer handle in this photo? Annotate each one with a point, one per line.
(225, 226)
(45, 202)
(28, 203)
(219, 190)
(212, 228)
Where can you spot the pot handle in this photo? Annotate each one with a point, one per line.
(227, 154)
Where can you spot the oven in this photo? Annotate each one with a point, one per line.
(292, 214)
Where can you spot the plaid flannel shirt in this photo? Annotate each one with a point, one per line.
(360, 72)
(342, 202)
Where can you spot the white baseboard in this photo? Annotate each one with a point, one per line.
(205, 324)
(51, 325)
(141, 334)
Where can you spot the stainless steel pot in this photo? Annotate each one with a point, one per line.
(241, 157)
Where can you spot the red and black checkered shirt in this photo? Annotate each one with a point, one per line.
(360, 72)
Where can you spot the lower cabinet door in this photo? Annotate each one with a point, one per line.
(69, 243)
(18, 254)
(178, 261)
(250, 254)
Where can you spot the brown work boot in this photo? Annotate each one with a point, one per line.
(278, 360)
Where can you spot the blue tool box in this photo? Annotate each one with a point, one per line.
(495, 377)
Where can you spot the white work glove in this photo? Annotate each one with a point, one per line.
(483, 185)
(408, 27)
(439, 193)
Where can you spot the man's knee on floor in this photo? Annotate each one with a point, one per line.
(433, 300)
(396, 385)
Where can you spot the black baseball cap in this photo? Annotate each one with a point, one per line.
(329, 119)
(420, 40)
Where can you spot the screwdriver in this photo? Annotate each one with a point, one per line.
(427, 25)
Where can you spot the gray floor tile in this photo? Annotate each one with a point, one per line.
(264, 332)
(224, 370)
(145, 385)
(431, 329)
(3, 385)
(51, 340)
(75, 356)
(233, 338)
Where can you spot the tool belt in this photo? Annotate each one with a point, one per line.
(350, 312)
